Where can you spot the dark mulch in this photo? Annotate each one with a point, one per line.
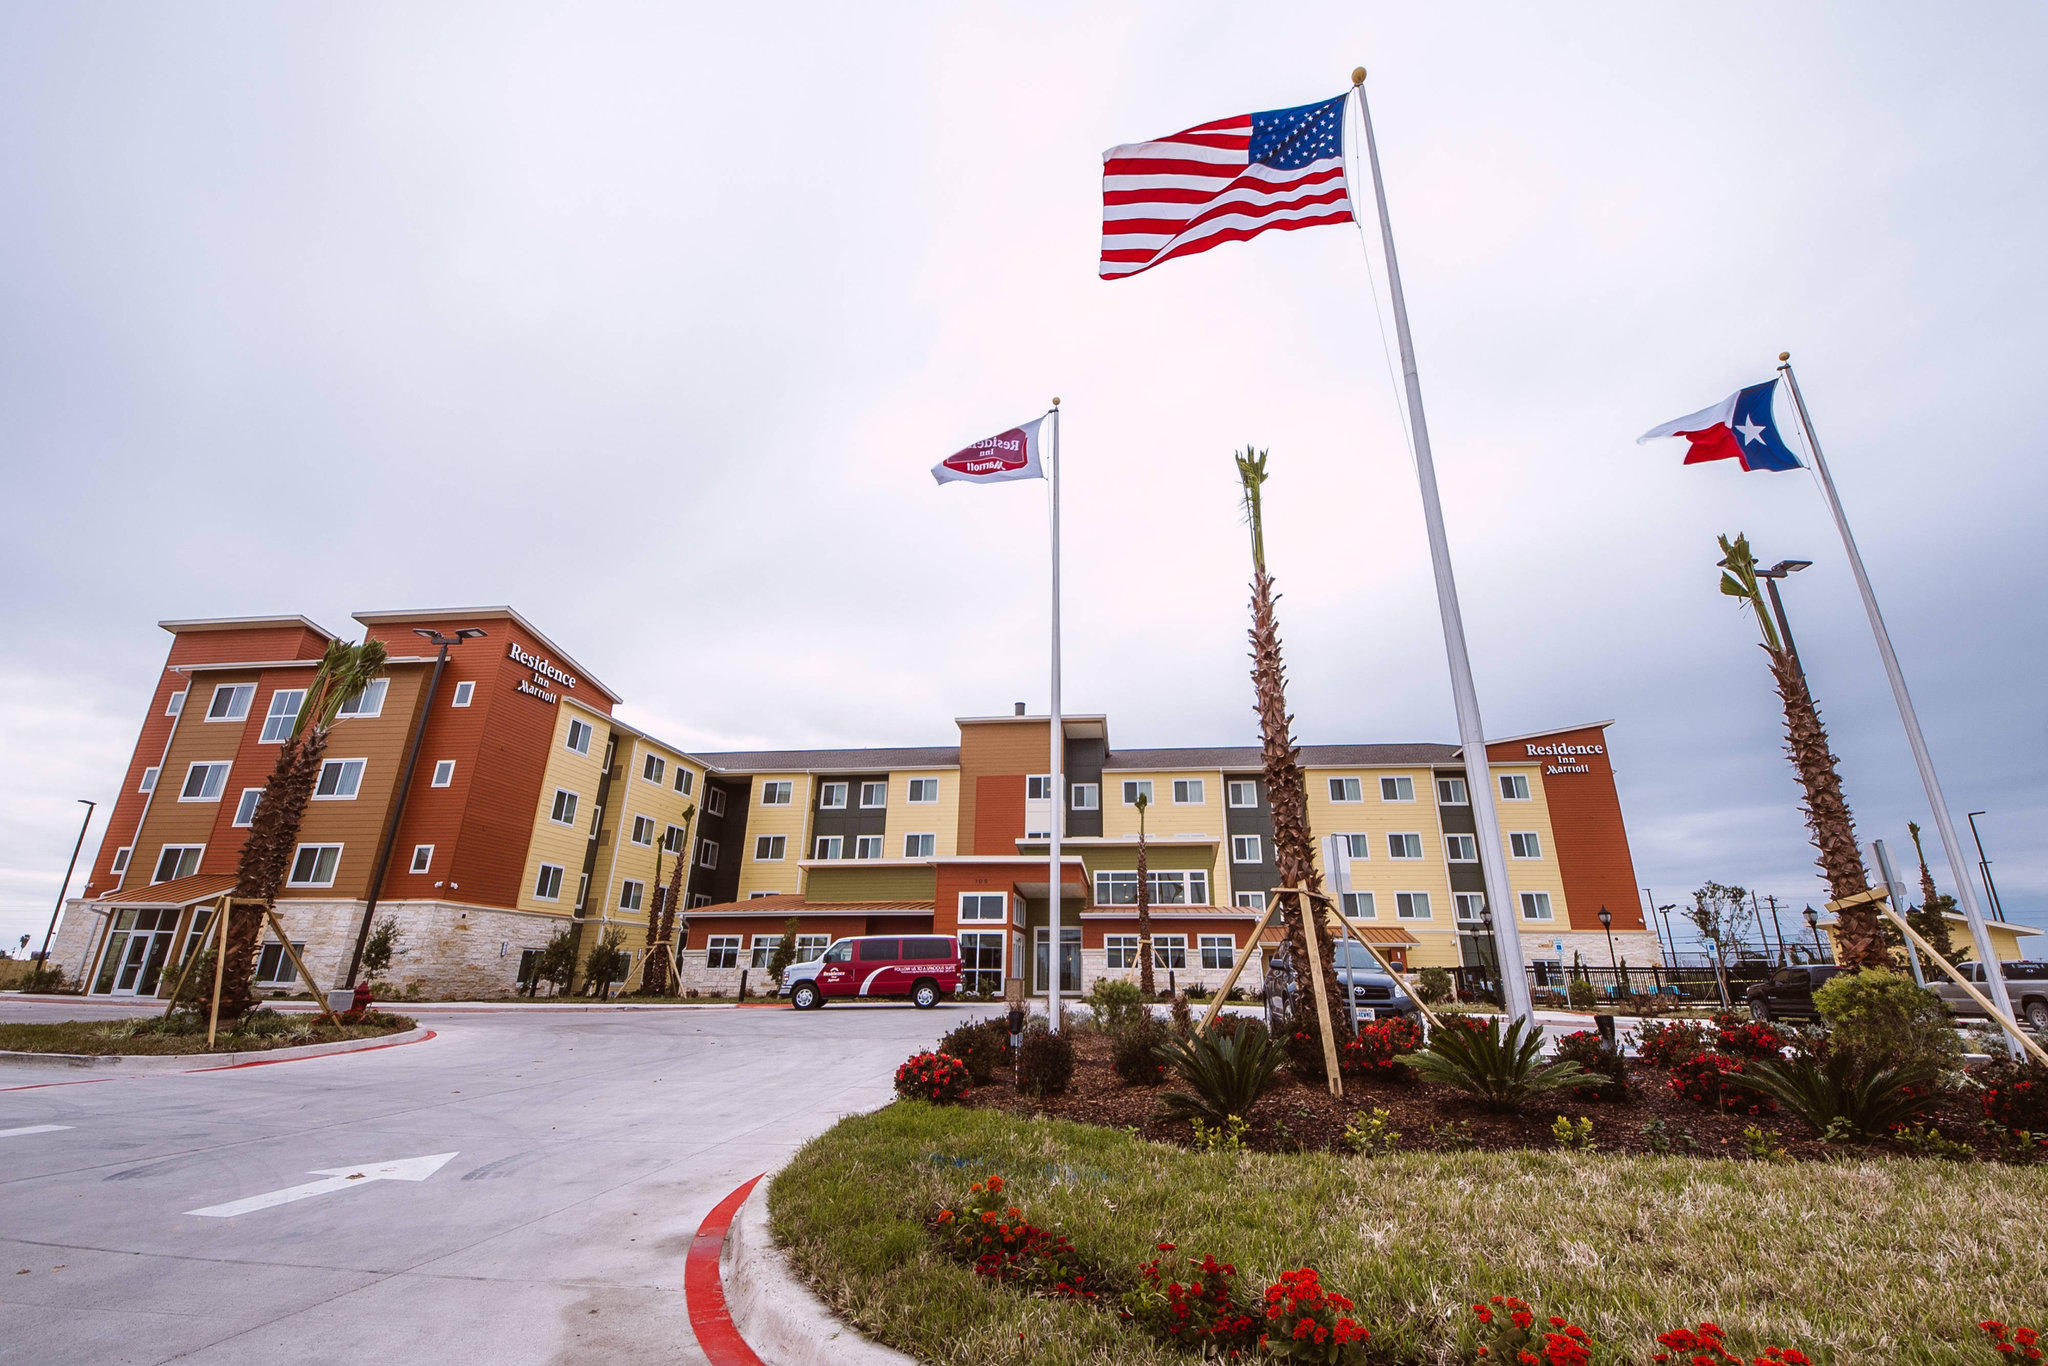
(1300, 1116)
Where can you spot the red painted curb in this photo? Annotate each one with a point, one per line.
(704, 1292)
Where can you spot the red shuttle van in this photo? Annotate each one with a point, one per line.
(917, 967)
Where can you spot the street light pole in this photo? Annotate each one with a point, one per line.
(1984, 867)
(1812, 918)
(1607, 924)
(72, 867)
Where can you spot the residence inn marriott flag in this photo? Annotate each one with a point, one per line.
(1005, 456)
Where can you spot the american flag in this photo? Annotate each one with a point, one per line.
(1222, 182)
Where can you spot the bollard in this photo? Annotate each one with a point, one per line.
(1016, 1023)
(743, 985)
(1605, 1024)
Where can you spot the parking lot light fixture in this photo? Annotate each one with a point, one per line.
(1607, 924)
(1812, 919)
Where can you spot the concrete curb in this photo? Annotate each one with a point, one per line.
(777, 1314)
(207, 1062)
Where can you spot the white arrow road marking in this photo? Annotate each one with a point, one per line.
(32, 1129)
(338, 1179)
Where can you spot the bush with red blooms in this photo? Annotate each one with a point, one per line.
(1513, 1335)
(939, 1078)
(1703, 1345)
(1372, 1053)
(1305, 1322)
(2012, 1342)
(1202, 1312)
(995, 1238)
(1606, 1068)
(1666, 1043)
(2015, 1100)
(1748, 1039)
(1702, 1079)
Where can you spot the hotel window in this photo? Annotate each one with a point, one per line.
(204, 782)
(176, 861)
(643, 831)
(722, 951)
(1038, 788)
(444, 772)
(1120, 951)
(1514, 787)
(1404, 846)
(770, 848)
(578, 738)
(985, 906)
(981, 963)
(829, 846)
(777, 793)
(920, 846)
(1358, 846)
(1536, 906)
(596, 820)
(867, 846)
(1359, 906)
(230, 701)
(582, 889)
(368, 702)
(1461, 848)
(765, 946)
(707, 853)
(924, 789)
(832, 796)
(274, 967)
(1170, 951)
(314, 865)
(1116, 889)
(565, 807)
(684, 782)
(282, 716)
(811, 947)
(1524, 844)
(756, 896)
(1346, 790)
(1245, 849)
(714, 801)
(548, 886)
(245, 808)
(1411, 905)
(672, 839)
(1135, 788)
(630, 894)
(1162, 889)
(1218, 951)
(340, 779)
(1241, 793)
(1397, 789)
(1469, 905)
(422, 857)
(654, 768)
(464, 691)
(699, 899)
(1189, 792)
(175, 703)
(1085, 797)
(1252, 901)
(874, 795)
(1451, 792)
(148, 780)
(120, 864)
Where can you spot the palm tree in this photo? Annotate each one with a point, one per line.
(1931, 920)
(1144, 905)
(1293, 844)
(658, 978)
(345, 670)
(1859, 933)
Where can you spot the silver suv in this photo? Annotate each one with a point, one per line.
(2026, 981)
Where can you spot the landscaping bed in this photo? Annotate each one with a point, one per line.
(154, 1036)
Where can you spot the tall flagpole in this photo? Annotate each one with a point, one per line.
(1054, 888)
(1953, 847)
(1471, 733)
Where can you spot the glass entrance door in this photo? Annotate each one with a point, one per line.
(1070, 960)
(135, 959)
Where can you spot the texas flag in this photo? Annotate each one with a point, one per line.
(1738, 428)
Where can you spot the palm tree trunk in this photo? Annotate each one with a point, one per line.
(265, 861)
(1859, 934)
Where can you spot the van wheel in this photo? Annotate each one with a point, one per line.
(926, 996)
(806, 997)
(2037, 1015)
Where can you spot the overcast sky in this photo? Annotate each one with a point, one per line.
(649, 320)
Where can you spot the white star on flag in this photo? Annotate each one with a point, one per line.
(1751, 430)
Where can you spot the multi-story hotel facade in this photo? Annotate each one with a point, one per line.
(532, 808)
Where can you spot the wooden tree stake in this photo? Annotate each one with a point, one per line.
(220, 959)
(1209, 1015)
(1331, 1068)
(1884, 904)
(1382, 960)
(212, 926)
(277, 928)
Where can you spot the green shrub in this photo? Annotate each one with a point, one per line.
(1045, 1061)
(1840, 1094)
(984, 1045)
(2014, 1097)
(1433, 985)
(1116, 1003)
(1225, 1073)
(1666, 1043)
(1373, 1134)
(43, 981)
(1500, 1071)
(1134, 1051)
(1580, 993)
(1887, 1021)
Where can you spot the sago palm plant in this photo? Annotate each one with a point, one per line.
(1499, 1070)
(1840, 1094)
(1225, 1073)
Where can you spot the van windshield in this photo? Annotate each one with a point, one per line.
(840, 952)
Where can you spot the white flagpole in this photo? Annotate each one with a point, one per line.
(1054, 888)
(1965, 896)
(1471, 733)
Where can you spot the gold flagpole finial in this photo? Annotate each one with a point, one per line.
(1055, 401)
(1358, 75)
(1784, 355)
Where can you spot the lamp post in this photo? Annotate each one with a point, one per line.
(1984, 867)
(1812, 918)
(1782, 569)
(69, 869)
(1492, 948)
(1607, 924)
(412, 759)
(1665, 910)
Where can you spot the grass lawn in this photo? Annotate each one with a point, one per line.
(152, 1035)
(1879, 1260)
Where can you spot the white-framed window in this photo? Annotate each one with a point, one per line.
(653, 768)
(672, 839)
(1246, 849)
(148, 783)
(1170, 951)
(119, 867)
(282, 716)
(1357, 846)
(874, 796)
(368, 702)
(1135, 788)
(1119, 951)
(920, 845)
(829, 846)
(832, 796)
(245, 807)
(1346, 790)
(923, 790)
(444, 772)
(722, 951)
(1451, 792)
(1038, 787)
(631, 894)
(1468, 905)
(564, 812)
(465, 692)
(204, 782)
(643, 831)
(422, 857)
(764, 948)
(1397, 789)
(582, 889)
(1461, 848)
(1251, 901)
(1085, 797)
(1404, 846)
(175, 703)
(339, 781)
(1411, 905)
(596, 819)
(810, 947)
(1241, 792)
(1514, 787)
(230, 701)
(714, 801)
(981, 962)
(1524, 844)
(985, 906)
(1163, 888)
(707, 854)
(756, 896)
(313, 866)
(548, 885)
(1536, 906)
(699, 899)
(578, 737)
(1359, 906)
(1190, 792)
(274, 967)
(176, 861)
(777, 793)
(684, 780)
(1218, 950)
(867, 846)
(770, 848)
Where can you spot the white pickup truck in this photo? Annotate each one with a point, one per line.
(2026, 981)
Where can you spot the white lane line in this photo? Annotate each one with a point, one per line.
(33, 1129)
(338, 1179)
